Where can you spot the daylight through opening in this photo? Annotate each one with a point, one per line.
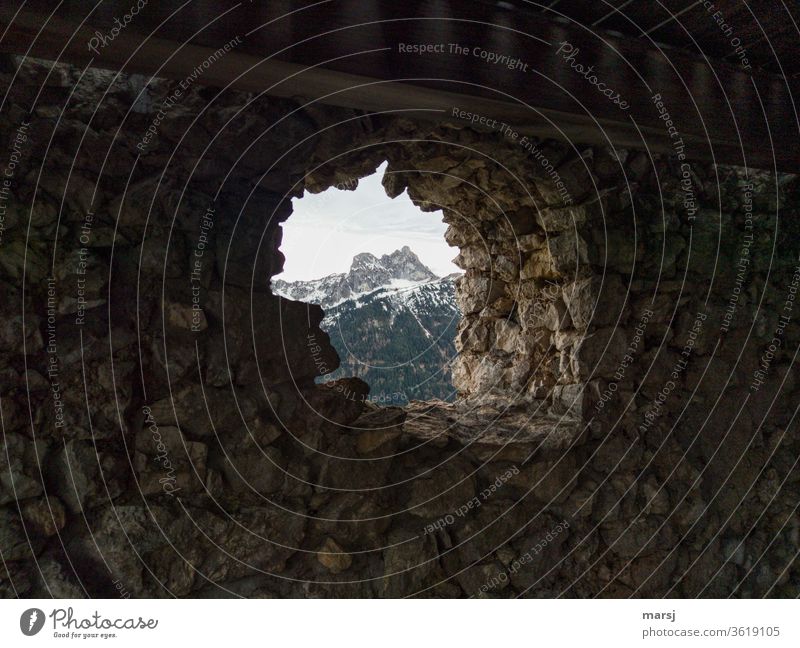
(384, 274)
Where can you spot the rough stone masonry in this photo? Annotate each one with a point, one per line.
(626, 363)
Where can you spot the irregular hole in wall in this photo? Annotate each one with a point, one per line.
(383, 273)
(520, 250)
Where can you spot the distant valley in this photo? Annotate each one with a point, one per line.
(391, 320)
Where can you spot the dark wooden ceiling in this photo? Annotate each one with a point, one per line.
(766, 29)
(345, 52)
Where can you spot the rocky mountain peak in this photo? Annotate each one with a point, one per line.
(404, 264)
(364, 260)
(367, 273)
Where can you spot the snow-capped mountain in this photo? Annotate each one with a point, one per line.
(391, 320)
(400, 269)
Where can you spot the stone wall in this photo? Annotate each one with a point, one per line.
(626, 422)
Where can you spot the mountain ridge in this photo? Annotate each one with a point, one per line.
(391, 320)
(367, 273)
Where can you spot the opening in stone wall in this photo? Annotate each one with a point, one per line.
(384, 275)
(626, 360)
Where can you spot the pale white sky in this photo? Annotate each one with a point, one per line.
(328, 229)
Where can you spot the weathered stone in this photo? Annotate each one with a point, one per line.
(530, 242)
(15, 484)
(251, 469)
(75, 473)
(598, 354)
(166, 462)
(522, 222)
(547, 332)
(371, 440)
(568, 252)
(204, 412)
(46, 516)
(17, 335)
(333, 557)
(639, 537)
(473, 336)
(476, 291)
(407, 564)
(558, 220)
(14, 543)
(557, 316)
(56, 580)
(597, 301)
(476, 258)
(539, 265)
(477, 580)
(548, 481)
(506, 335)
(184, 317)
(440, 492)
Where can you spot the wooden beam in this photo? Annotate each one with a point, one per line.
(353, 54)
